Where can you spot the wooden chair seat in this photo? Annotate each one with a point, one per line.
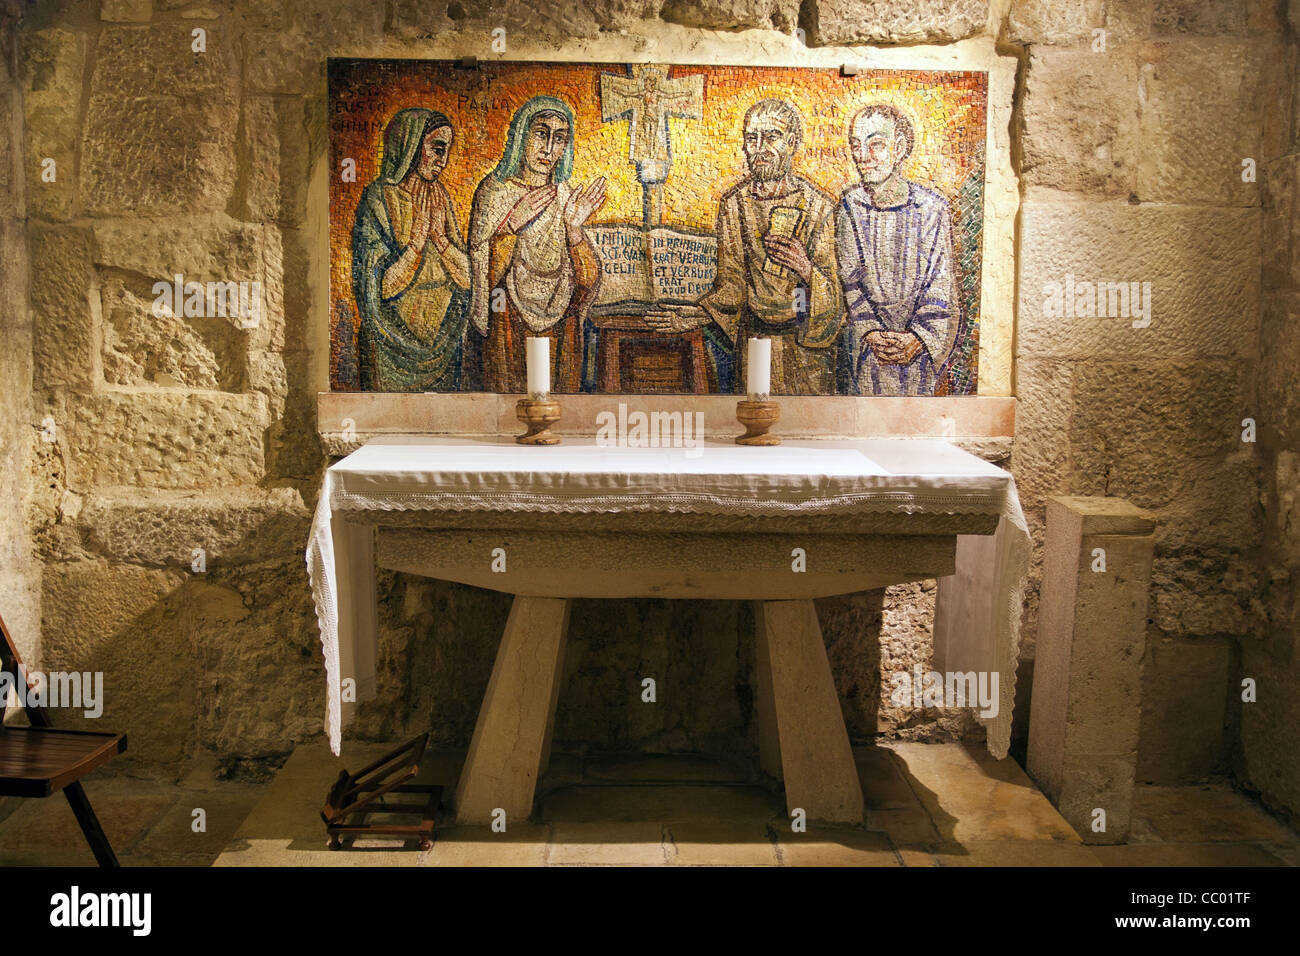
(38, 762)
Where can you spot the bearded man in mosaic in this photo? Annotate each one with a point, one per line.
(776, 265)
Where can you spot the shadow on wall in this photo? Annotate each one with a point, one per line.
(225, 659)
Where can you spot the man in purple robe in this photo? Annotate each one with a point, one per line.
(895, 251)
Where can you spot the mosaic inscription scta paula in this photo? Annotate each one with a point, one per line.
(649, 219)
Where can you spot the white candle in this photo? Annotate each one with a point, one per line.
(759, 368)
(539, 368)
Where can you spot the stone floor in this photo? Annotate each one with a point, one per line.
(149, 822)
(928, 805)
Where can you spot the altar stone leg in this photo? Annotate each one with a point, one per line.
(514, 723)
(816, 758)
(769, 741)
(357, 607)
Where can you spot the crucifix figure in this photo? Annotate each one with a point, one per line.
(646, 98)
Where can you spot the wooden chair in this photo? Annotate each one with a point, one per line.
(37, 761)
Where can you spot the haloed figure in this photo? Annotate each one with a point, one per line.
(410, 270)
(894, 240)
(534, 273)
(776, 265)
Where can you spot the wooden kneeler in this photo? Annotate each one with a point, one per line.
(362, 794)
(38, 761)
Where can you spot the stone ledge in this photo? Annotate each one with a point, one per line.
(358, 414)
(995, 450)
(1104, 515)
(161, 528)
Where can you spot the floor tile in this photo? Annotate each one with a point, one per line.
(723, 844)
(1187, 854)
(663, 768)
(632, 804)
(828, 847)
(173, 840)
(971, 797)
(1004, 853)
(47, 830)
(608, 844)
(884, 785)
(521, 845)
(910, 828)
(1206, 814)
(927, 805)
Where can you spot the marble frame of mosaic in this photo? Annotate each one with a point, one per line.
(346, 419)
(461, 414)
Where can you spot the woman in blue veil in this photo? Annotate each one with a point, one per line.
(410, 271)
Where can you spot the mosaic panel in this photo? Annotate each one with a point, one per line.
(649, 219)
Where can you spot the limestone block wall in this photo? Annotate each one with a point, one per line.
(1132, 171)
(1265, 761)
(176, 434)
(167, 513)
(20, 574)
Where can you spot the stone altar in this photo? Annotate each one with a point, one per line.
(776, 526)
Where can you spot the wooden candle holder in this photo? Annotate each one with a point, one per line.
(757, 417)
(537, 416)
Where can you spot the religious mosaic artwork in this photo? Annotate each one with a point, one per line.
(649, 219)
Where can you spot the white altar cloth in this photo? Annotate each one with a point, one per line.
(977, 620)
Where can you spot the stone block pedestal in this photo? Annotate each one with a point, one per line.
(1087, 700)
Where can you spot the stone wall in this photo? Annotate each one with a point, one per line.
(176, 434)
(20, 572)
(168, 512)
(1270, 654)
(1131, 161)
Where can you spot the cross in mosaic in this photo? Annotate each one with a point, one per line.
(646, 99)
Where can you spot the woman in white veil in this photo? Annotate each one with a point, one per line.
(532, 270)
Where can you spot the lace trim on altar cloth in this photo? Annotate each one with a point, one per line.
(900, 502)
(321, 570)
(1010, 579)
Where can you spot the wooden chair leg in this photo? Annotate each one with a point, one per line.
(95, 836)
